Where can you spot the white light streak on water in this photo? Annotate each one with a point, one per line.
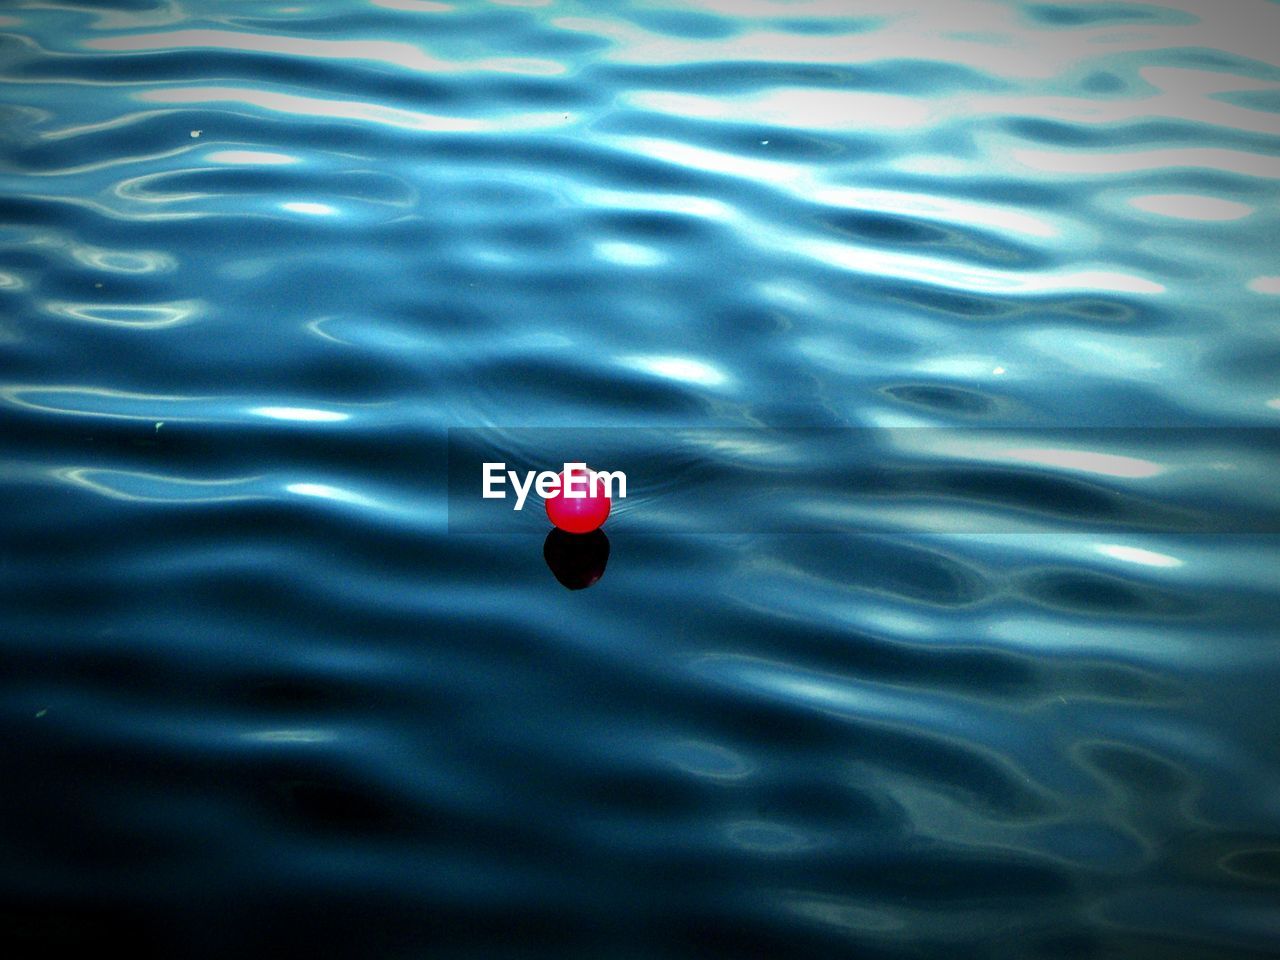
(1084, 461)
(309, 208)
(300, 414)
(679, 368)
(262, 158)
(1148, 558)
(1190, 206)
(326, 492)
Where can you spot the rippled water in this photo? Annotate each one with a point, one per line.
(261, 696)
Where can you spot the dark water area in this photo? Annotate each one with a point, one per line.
(941, 343)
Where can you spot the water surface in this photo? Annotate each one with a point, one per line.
(257, 260)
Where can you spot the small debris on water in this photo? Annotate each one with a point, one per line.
(196, 133)
(40, 713)
(159, 424)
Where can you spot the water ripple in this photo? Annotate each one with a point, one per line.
(978, 687)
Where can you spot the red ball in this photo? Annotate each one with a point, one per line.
(579, 514)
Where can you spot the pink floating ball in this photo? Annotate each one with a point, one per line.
(579, 514)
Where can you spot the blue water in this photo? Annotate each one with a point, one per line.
(261, 695)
